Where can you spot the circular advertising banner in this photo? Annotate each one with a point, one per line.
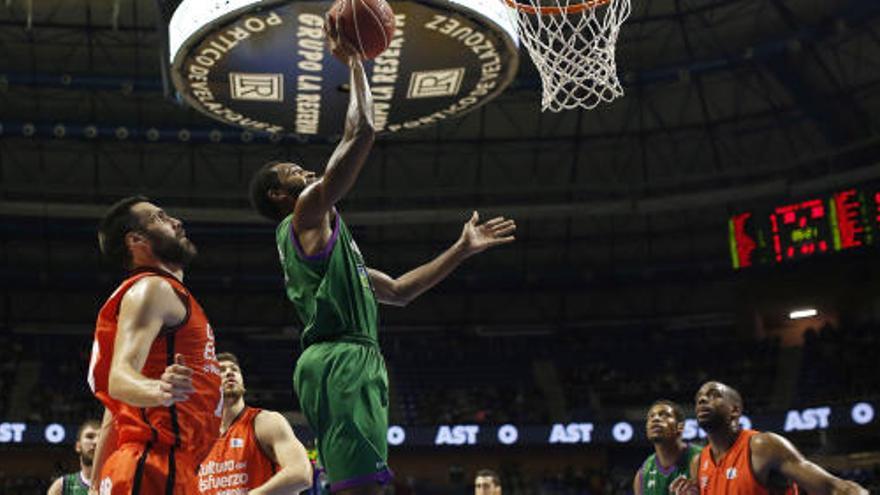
(265, 65)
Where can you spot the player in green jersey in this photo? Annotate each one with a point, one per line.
(78, 483)
(672, 456)
(340, 378)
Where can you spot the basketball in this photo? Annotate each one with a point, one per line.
(367, 24)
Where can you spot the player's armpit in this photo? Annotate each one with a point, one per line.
(279, 443)
(772, 452)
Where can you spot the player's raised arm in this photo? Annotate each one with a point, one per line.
(775, 453)
(146, 308)
(351, 153)
(475, 238)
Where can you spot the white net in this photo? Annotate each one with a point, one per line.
(572, 42)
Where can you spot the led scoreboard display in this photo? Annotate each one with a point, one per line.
(844, 220)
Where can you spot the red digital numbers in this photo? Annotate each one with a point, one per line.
(799, 230)
(849, 226)
(877, 204)
(839, 221)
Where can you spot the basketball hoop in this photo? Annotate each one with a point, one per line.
(572, 43)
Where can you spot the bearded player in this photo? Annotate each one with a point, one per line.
(257, 452)
(746, 462)
(78, 483)
(340, 378)
(153, 364)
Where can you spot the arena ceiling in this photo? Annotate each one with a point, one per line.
(729, 103)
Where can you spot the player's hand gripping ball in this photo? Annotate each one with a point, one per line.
(366, 25)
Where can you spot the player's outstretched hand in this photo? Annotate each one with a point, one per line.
(683, 486)
(477, 237)
(175, 384)
(339, 46)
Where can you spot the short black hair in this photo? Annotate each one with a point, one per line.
(228, 356)
(488, 473)
(89, 423)
(262, 181)
(677, 410)
(730, 394)
(118, 221)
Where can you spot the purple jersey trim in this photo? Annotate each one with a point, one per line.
(668, 470)
(381, 477)
(665, 471)
(324, 252)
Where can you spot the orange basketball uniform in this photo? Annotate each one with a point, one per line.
(732, 474)
(159, 448)
(236, 464)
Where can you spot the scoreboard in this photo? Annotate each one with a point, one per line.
(844, 220)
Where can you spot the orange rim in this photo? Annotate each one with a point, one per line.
(568, 9)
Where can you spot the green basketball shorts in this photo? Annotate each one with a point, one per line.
(343, 391)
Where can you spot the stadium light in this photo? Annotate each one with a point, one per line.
(803, 313)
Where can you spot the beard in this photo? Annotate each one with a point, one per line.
(715, 421)
(233, 394)
(173, 250)
(87, 459)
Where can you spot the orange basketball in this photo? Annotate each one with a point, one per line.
(367, 24)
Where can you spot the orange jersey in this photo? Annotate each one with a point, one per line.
(732, 474)
(190, 426)
(236, 462)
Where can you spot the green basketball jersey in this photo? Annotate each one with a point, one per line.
(655, 480)
(331, 290)
(72, 484)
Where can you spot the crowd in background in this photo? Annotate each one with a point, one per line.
(443, 378)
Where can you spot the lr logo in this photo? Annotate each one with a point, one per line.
(256, 87)
(428, 84)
